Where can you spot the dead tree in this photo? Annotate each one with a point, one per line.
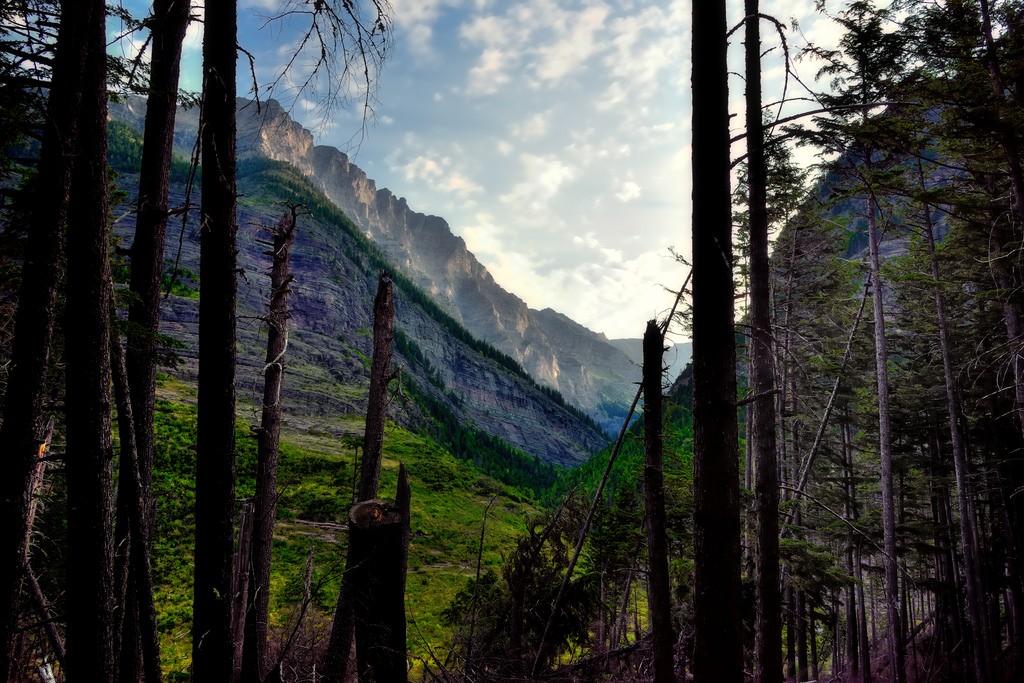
(268, 437)
(378, 542)
(658, 592)
(339, 646)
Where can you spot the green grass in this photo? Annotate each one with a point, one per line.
(315, 483)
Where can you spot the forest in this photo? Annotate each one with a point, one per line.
(832, 491)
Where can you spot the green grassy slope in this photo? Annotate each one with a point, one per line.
(315, 483)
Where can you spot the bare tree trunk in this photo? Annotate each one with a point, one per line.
(167, 31)
(768, 626)
(240, 577)
(139, 657)
(380, 375)
(718, 646)
(90, 587)
(339, 646)
(22, 427)
(865, 645)
(379, 535)
(659, 594)
(801, 635)
(895, 628)
(850, 501)
(254, 659)
(212, 651)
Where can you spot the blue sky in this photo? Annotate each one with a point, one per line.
(553, 135)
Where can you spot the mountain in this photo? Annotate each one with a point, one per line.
(468, 395)
(587, 369)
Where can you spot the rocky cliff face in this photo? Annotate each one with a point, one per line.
(585, 367)
(582, 365)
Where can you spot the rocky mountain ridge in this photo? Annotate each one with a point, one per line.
(588, 369)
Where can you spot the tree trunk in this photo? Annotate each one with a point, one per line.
(718, 645)
(90, 587)
(659, 594)
(254, 660)
(212, 651)
(968, 535)
(240, 577)
(379, 536)
(380, 375)
(21, 430)
(139, 657)
(865, 645)
(850, 500)
(894, 625)
(339, 645)
(167, 31)
(768, 626)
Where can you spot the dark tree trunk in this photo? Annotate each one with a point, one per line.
(379, 536)
(850, 501)
(269, 435)
(768, 629)
(801, 635)
(212, 651)
(380, 375)
(339, 646)
(889, 561)
(90, 587)
(658, 594)
(22, 428)
(718, 646)
(139, 658)
(167, 31)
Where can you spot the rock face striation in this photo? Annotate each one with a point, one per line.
(590, 371)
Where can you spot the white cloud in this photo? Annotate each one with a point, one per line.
(543, 178)
(415, 19)
(534, 127)
(490, 73)
(628, 191)
(438, 174)
(578, 41)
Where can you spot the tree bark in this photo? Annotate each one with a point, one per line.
(254, 660)
(379, 541)
(90, 587)
(380, 375)
(892, 606)
(339, 645)
(768, 627)
(659, 598)
(718, 647)
(212, 651)
(139, 643)
(167, 32)
(21, 430)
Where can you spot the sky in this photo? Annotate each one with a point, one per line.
(552, 135)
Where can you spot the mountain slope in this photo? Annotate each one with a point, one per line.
(588, 370)
(448, 375)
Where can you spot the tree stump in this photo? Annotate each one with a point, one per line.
(378, 534)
